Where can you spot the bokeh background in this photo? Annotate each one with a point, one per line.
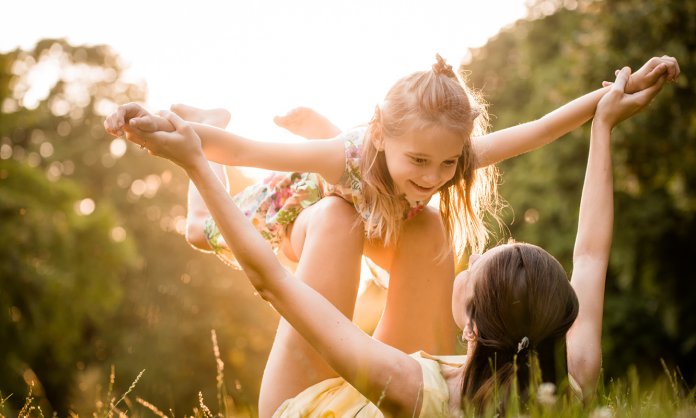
(95, 274)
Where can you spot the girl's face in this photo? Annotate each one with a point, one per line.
(420, 161)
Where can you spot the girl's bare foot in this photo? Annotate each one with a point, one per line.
(307, 123)
(213, 117)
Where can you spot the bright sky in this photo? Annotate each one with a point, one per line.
(261, 58)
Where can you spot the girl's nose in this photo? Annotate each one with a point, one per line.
(431, 179)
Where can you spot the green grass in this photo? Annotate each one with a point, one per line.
(666, 397)
(627, 397)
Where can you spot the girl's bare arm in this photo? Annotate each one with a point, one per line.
(324, 157)
(507, 143)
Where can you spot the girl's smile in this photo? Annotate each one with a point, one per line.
(422, 189)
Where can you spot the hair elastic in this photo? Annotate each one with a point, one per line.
(522, 345)
(441, 67)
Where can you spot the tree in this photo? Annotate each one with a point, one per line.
(535, 66)
(60, 276)
(96, 272)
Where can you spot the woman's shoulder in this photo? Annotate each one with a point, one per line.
(451, 361)
(435, 388)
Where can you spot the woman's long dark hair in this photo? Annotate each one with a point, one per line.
(522, 306)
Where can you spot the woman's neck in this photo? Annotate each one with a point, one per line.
(454, 376)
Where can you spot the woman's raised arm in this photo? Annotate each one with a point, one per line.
(595, 230)
(374, 368)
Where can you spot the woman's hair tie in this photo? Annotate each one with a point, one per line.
(522, 345)
(441, 67)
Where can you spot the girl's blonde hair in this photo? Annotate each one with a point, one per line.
(422, 99)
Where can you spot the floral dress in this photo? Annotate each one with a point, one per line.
(274, 203)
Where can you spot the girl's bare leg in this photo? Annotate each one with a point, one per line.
(218, 118)
(310, 124)
(197, 212)
(307, 123)
(369, 306)
(418, 313)
(329, 246)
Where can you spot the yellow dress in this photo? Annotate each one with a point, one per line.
(337, 398)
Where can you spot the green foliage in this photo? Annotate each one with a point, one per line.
(59, 273)
(537, 65)
(83, 290)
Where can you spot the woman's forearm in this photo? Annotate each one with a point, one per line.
(596, 219)
(590, 261)
(197, 212)
(250, 250)
(377, 370)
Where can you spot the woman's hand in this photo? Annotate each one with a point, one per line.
(132, 115)
(617, 105)
(650, 73)
(181, 146)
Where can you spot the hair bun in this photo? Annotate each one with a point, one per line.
(441, 67)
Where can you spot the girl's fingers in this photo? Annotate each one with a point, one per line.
(145, 124)
(645, 96)
(112, 127)
(606, 83)
(120, 119)
(656, 72)
(179, 124)
(674, 68)
(162, 136)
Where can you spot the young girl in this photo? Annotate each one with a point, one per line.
(513, 303)
(418, 143)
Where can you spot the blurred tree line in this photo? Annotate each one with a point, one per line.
(94, 270)
(567, 48)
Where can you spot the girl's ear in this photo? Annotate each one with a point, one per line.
(378, 141)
